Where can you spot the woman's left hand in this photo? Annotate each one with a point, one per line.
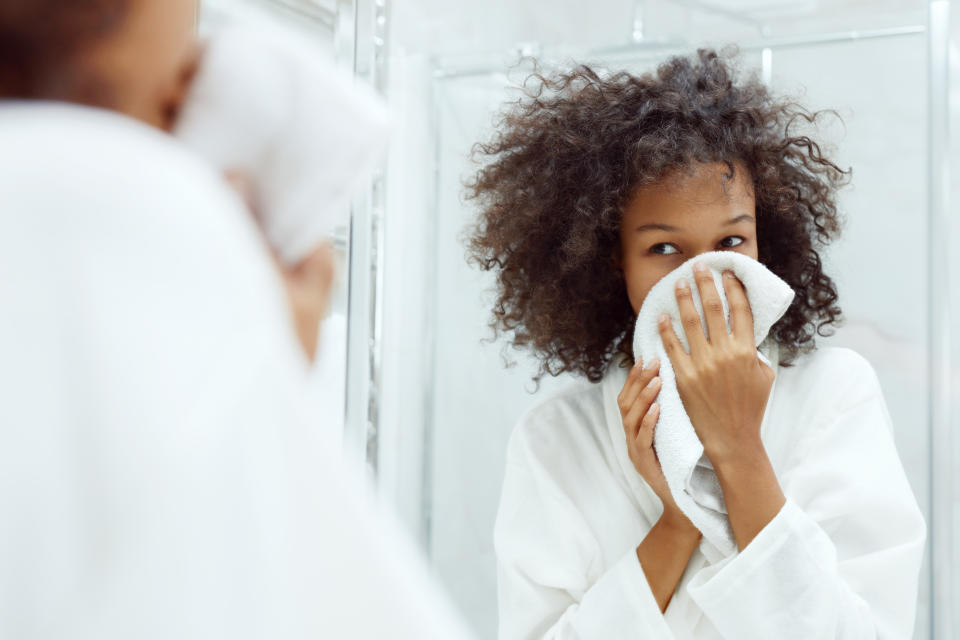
(722, 382)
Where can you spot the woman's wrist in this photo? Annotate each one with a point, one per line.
(746, 452)
(751, 492)
(678, 523)
(665, 552)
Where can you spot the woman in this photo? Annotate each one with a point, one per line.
(595, 188)
(160, 477)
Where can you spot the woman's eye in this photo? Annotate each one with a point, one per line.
(653, 249)
(738, 238)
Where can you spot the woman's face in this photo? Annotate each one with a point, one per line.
(685, 214)
(148, 62)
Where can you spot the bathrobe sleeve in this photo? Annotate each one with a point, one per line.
(842, 558)
(547, 567)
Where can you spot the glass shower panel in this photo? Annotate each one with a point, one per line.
(879, 87)
(476, 401)
(953, 297)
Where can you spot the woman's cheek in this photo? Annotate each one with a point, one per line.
(637, 293)
(642, 280)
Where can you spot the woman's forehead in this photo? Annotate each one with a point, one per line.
(693, 196)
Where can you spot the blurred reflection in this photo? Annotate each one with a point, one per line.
(164, 472)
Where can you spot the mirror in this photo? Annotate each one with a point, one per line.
(448, 403)
(430, 402)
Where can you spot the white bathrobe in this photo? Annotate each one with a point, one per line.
(841, 560)
(161, 473)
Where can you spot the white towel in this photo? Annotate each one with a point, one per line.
(688, 471)
(268, 103)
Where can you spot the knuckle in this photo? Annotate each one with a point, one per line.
(714, 305)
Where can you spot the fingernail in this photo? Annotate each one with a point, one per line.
(653, 363)
(662, 318)
(700, 266)
(728, 274)
(682, 283)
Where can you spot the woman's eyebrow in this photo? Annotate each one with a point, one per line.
(666, 227)
(656, 225)
(741, 218)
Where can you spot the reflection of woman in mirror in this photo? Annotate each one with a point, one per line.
(595, 187)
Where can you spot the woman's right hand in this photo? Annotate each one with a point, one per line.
(639, 413)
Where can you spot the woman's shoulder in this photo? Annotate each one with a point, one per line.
(820, 386)
(567, 420)
(834, 356)
(834, 370)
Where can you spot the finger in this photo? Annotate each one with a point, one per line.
(640, 406)
(637, 379)
(624, 398)
(689, 318)
(671, 344)
(741, 316)
(644, 439)
(633, 420)
(711, 302)
(633, 415)
(649, 392)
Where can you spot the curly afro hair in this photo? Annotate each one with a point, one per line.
(568, 155)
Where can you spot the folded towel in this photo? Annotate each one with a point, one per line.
(688, 471)
(267, 103)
